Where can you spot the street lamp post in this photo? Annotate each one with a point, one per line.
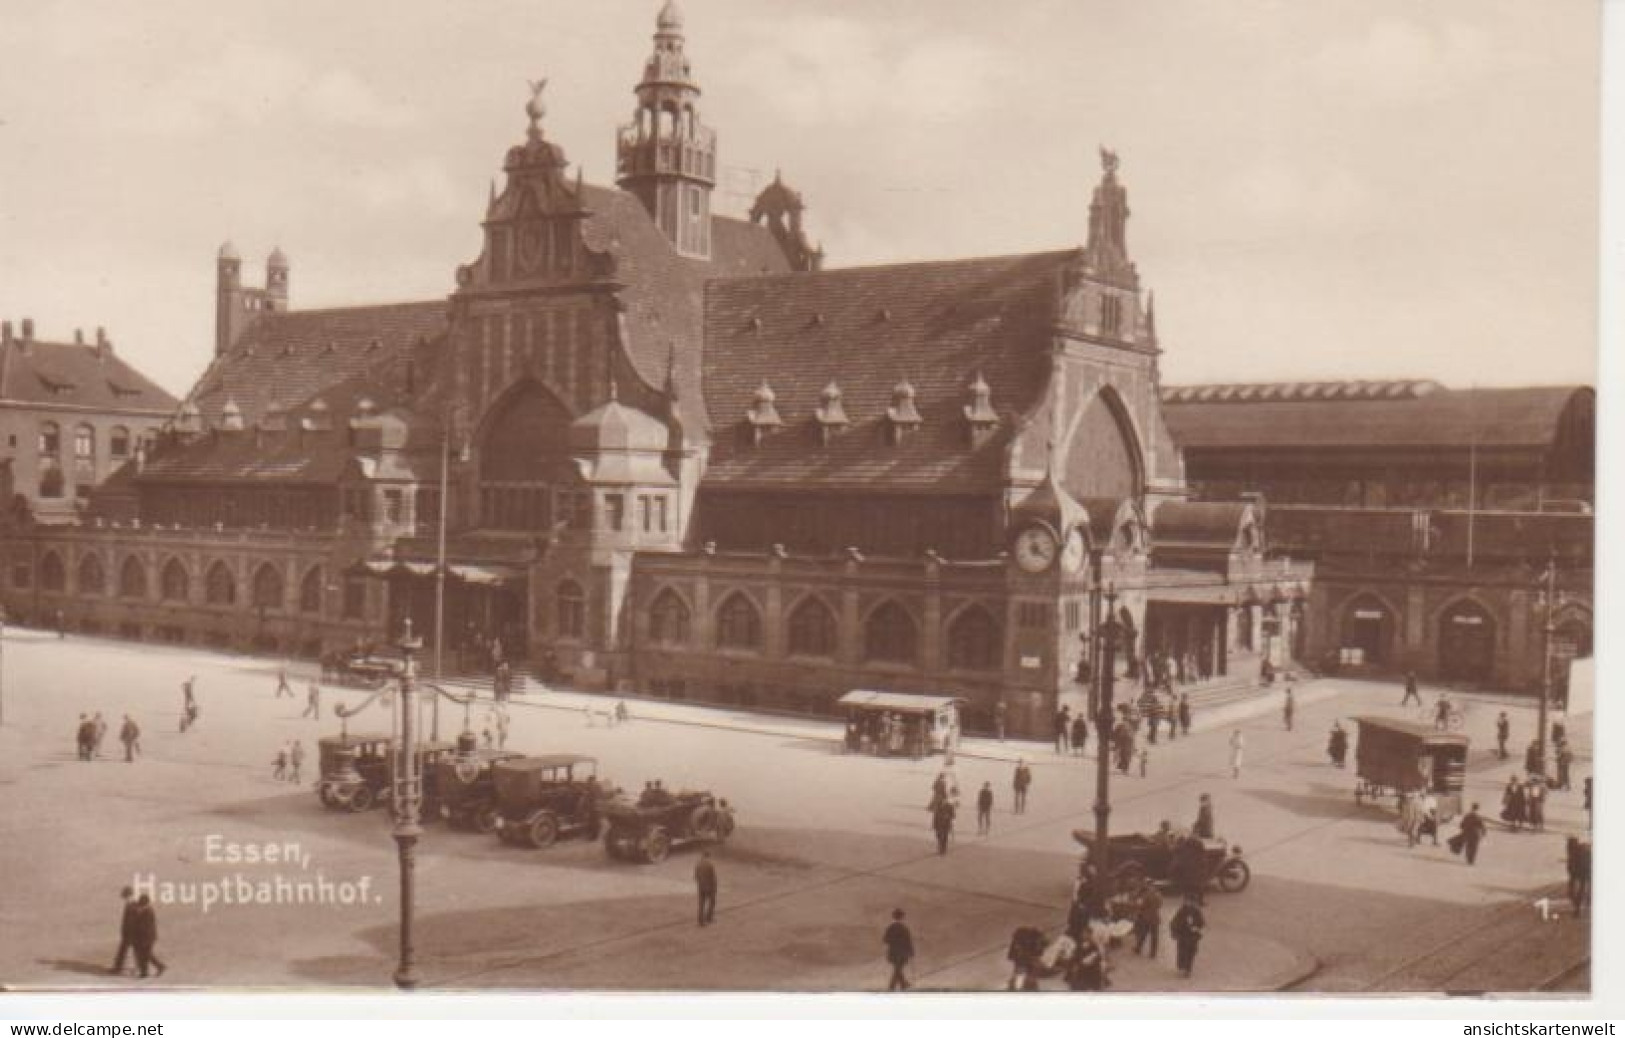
(1538, 765)
(1106, 657)
(440, 573)
(408, 798)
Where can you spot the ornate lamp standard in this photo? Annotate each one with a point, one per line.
(1104, 655)
(1537, 764)
(408, 798)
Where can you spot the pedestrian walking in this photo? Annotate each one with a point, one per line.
(313, 702)
(296, 760)
(942, 823)
(1337, 744)
(144, 937)
(1186, 928)
(1288, 708)
(1079, 733)
(84, 737)
(129, 734)
(1579, 869)
(1063, 729)
(1411, 691)
(1237, 745)
(1410, 821)
(1123, 742)
(282, 686)
(126, 930)
(1565, 762)
(1428, 808)
(1470, 835)
(1503, 732)
(189, 707)
(1441, 713)
(1534, 802)
(705, 885)
(1023, 782)
(279, 765)
(1147, 918)
(1184, 714)
(899, 950)
(1204, 828)
(984, 809)
(1512, 804)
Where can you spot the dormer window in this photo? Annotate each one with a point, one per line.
(902, 417)
(831, 413)
(763, 416)
(979, 413)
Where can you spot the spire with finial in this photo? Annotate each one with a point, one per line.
(831, 413)
(902, 417)
(763, 416)
(979, 413)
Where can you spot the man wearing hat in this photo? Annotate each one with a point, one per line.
(126, 930)
(1186, 929)
(899, 950)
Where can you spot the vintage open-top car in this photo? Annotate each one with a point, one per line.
(465, 788)
(540, 799)
(648, 828)
(1136, 855)
(358, 767)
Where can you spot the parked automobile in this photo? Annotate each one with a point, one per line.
(540, 799)
(658, 821)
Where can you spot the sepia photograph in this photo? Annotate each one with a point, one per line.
(800, 497)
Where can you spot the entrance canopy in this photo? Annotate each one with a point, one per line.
(897, 702)
(467, 572)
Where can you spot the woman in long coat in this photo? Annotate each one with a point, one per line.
(1512, 804)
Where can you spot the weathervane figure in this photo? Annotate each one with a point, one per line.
(534, 107)
(1108, 158)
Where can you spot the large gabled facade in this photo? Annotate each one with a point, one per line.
(680, 456)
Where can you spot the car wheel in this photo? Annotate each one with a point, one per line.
(656, 845)
(362, 799)
(1234, 875)
(725, 825)
(485, 820)
(542, 830)
(618, 843)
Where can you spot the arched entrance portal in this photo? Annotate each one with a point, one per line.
(1466, 642)
(1368, 632)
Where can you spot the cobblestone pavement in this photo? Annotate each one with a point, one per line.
(828, 844)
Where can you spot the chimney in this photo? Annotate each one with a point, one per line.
(28, 330)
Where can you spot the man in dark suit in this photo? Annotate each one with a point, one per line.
(126, 930)
(705, 882)
(1023, 781)
(1472, 832)
(899, 950)
(1186, 929)
(144, 937)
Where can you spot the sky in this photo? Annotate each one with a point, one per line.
(1335, 189)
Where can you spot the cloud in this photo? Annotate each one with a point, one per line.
(1398, 61)
(250, 85)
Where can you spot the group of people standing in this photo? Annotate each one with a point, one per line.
(286, 765)
(1153, 711)
(92, 731)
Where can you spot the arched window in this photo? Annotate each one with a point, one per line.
(890, 636)
(50, 439)
(118, 443)
(92, 577)
(812, 629)
(668, 619)
(267, 589)
(572, 610)
(132, 578)
(84, 445)
(52, 575)
(218, 587)
(175, 585)
(310, 591)
(974, 641)
(739, 624)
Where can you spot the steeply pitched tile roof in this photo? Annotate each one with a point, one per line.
(663, 291)
(867, 329)
(285, 359)
(77, 375)
(1325, 415)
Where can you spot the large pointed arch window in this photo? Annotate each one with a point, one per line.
(812, 629)
(92, 575)
(669, 619)
(523, 457)
(891, 636)
(310, 591)
(739, 623)
(218, 586)
(132, 578)
(175, 585)
(267, 587)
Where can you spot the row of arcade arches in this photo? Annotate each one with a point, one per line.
(174, 582)
(1466, 636)
(888, 631)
